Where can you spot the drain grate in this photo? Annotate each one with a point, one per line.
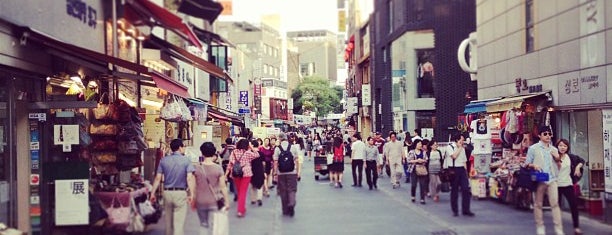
(444, 232)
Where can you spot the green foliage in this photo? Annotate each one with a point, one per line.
(315, 94)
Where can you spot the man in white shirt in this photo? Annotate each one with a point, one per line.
(456, 161)
(358, 154)
(417, 135)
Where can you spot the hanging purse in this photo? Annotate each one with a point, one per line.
(420, 170)
(104, 157)
(103, 111)
(136, 221)
(102, 129)
(171, 111)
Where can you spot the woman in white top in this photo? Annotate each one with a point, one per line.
(435, 165)
(570, 171)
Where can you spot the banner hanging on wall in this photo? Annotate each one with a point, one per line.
(607, 149)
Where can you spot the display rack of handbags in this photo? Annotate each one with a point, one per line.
(117, 138)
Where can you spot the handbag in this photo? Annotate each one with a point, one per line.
(220, 200)
(118, 215)
(171, 111)
(104, 111)
(220, 225)
(524, 180)
(421, 170)
(136, 221)
(104, 157)
(106, 169)
(128, 147)
(102, 129)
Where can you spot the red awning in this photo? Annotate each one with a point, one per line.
(139, 12)
(196, 61)
(160, 79)
(220, 116)
(163, 82)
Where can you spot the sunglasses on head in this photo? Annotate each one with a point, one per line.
(546, 133)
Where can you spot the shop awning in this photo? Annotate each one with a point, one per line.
(169, 85)
(145, 12)
(204, 9)
(478, 106)
(216, 113)
(92, 57)
(191, 58)
(205, 36)
(510, 102)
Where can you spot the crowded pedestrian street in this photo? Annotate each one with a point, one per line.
(322, 209)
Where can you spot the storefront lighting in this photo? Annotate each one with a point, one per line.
(140, 38)
(204, 135)
(497, 120)
(152, 103)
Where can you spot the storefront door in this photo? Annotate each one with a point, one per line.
(6, 152)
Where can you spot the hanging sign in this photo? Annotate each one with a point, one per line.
(607, 149)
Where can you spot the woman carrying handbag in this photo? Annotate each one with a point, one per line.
(417, 159)
(211, 192)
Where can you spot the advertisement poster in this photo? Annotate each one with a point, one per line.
(65, 134)
(607, 148)
(72, 202)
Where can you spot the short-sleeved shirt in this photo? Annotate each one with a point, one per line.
(379, 143)
(460, 161)
(295, 151)
(540, 155)
(371, 153)
(204, 195)
(175, 168)
(244, 157)
(358, 149)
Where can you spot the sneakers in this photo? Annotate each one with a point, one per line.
(259, 203)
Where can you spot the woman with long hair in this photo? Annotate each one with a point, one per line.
(243, 156)
(266, 151)
(337, 167)
(434, 167)
(417, 158)
(258, 178)
(316, 144)
(570, 172)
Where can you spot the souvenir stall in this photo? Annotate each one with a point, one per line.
(514, 122)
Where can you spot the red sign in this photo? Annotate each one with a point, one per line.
(34, 179)
(279, 109)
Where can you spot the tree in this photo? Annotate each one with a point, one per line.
(316, 95)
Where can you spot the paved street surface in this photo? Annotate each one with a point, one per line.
(322, 209)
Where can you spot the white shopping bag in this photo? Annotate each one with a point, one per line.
(220, 225)
(330, 158)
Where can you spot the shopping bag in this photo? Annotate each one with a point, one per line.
(220, 224)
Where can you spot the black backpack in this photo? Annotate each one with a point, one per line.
(237, 168)
(286, 162)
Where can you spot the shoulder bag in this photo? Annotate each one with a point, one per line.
(220, 201)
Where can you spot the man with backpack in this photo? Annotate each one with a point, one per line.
(288, 167)
(225, 158)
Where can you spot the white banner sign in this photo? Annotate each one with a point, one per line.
(72, 202)
(607, 148)
(366, 95)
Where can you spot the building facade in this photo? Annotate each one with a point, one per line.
(561, 48)
(417, 83)
(317, 53)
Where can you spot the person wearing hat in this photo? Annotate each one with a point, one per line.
(544, 157)
(287, 181)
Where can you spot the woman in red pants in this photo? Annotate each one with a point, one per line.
(241, 156)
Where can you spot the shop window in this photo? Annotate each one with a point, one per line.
(218, 56)
(425, 73)
(425, 119)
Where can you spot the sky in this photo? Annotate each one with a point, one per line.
(295, 14)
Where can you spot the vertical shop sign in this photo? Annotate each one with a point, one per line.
(72, 202)
(257, 96)
(607, 149)
(244, 98)
(35, 209)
